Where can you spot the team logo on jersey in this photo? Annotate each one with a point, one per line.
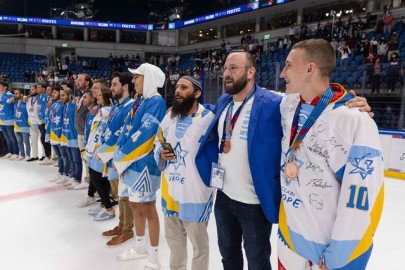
(180, 154)
(362, 166)
(18, 114)
(1, 107)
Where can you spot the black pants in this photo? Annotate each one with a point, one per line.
(3, 145)
(91, 190)
(46, 145)
(102, 186)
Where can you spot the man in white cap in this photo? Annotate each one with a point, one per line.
(134, 161)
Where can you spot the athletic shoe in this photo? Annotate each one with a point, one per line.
(68, 182)
(46, 161)
(56, 178)
(42, 158)
(133, 253)
(152, 266)
(82, 185)
(61, 180)
(13, 157)
(27, 158)
(7, 156)
(95, 211)
(73, 185)
(32, 159)
(85, 201)
(20, 158)
(104, 214)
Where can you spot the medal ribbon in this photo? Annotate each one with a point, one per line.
(230, 121)
(137, 103)
(316, 112)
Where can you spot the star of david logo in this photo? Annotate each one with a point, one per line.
(1, 107)
(18, 114)
(66, 121)
(56, 119)
(362, 166)
(296, 179)
(129, 127)
(180, 154)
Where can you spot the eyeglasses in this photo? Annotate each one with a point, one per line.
(233, 69)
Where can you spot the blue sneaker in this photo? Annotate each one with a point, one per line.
(104, 215)
(95, 211)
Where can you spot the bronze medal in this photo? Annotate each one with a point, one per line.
(227, 146)
(291, 169)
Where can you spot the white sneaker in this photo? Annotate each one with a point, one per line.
(133, 253)
(85, 201)
(68, 182)
(21, 158)
(56, 178)
(13, 157)
(61, 180)
(152, 266)
(26, 158)
(7, 156)
(82, 185)
(46, 161)
(73, 185)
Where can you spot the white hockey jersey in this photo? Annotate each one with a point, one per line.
(331, 210)
(183, 192)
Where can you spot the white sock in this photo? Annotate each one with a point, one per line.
(153, 254)
(140, 241)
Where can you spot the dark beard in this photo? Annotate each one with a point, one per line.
(237, 86)
(119, 95)
(183, 107)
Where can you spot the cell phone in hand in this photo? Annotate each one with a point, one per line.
(167, 146)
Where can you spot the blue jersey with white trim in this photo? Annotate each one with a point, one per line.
(6, 109)
(21, 117)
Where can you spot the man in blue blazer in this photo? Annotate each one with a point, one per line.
(244, 142)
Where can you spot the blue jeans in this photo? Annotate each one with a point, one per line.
(23, 139)
(8, 132)
(67, 160)
(77, 161)
(58, 152)
(236, 220)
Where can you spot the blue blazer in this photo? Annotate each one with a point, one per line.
(264, 148)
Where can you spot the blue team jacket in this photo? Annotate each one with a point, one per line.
(264, 148)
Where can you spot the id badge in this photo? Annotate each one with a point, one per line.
(217, 176)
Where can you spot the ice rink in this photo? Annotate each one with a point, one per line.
(41, 228)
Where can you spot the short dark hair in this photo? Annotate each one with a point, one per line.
(19, 90)
(42, 84)
(87, 78)
(249, 57)
(4, 83)
(125, 78)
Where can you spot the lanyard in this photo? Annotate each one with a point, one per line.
(230, 121)
(296, 140)
(137, 103)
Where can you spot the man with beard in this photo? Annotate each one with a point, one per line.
(247, 132)
(33, 122)
(186, 200)
(135, 161)
(42, 103)
(121, 89)
(55, 133)
(83, 83)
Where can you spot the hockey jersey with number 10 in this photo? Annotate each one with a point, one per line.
(331, 210)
